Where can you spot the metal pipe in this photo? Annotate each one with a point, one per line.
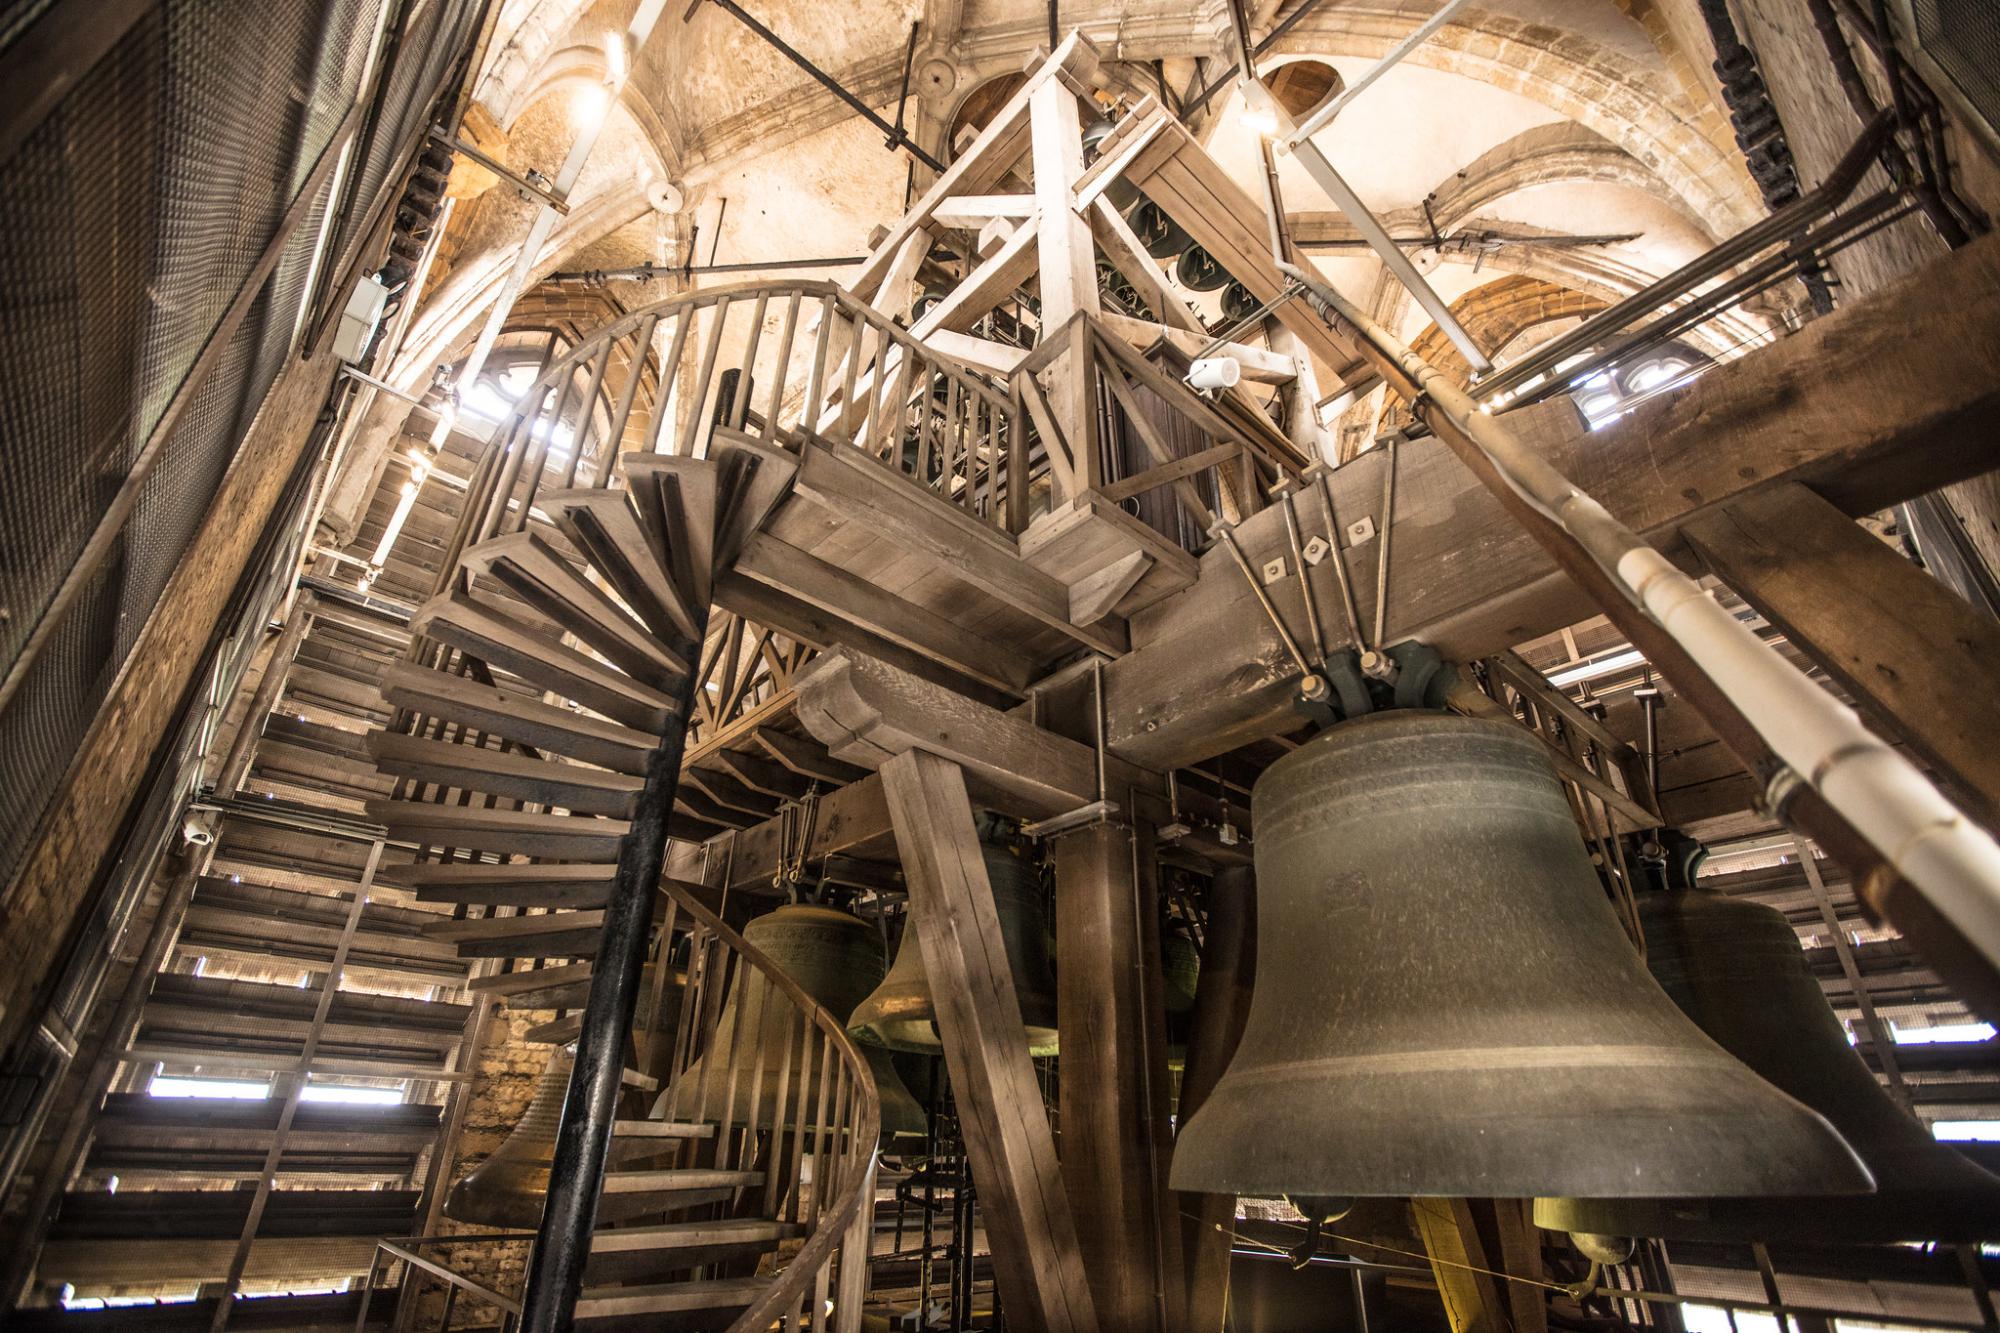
(1418, 36)
(1794, 217)
(1339, 557)
(583, 1137)
(1382, 544)
(647, 272)
(896, 135)
(1285, 25)
(1827, 772)
(1305, 584)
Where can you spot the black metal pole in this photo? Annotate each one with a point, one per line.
(895, 135)
(583, 1138)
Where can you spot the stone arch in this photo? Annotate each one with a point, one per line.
(1601, 90)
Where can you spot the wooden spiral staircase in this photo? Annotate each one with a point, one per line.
(543, 712)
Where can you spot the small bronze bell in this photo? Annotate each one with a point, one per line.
(1161, 235)
(1199, 272)
(834, 958)
(508, 1188)
(1446, 1005)
(900, 1014)
(1736, 969)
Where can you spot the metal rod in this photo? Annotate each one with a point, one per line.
(1794, 217)
(583, 1138)
(1382, 544)
(897, 136)
(380, 386)
(1339, 557)
(1299, 563)
(539, 191)
(1418, 36)
(1097, 717)
(1206, 95)
(1228, 536)
(1879, 1038)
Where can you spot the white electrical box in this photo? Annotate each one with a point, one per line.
(358, 320)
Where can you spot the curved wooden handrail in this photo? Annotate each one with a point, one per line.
(847, 1219)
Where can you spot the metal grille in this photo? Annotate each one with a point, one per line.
(134, 216)
(1963, 37)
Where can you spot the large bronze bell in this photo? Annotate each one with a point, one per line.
(507, 1189)
(1161, 235)
(834, 958)
(900, 1014)
(1446, 1004)
(1736, 969)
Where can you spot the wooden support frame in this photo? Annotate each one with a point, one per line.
(1116, 1134)
(1035, 1248)
(1903, 645)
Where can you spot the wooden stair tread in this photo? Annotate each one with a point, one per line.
(521, 832)
(577, 787)
(488, 633)
(540, 575)
(692, 1235)
(514, 983)
(530, 722)
(673, 1179)
(496, 927)
(661, 1129)
(670, 1298)
(606, 527)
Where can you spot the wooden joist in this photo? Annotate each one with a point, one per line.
(536, 573)
(543, 935)
(606, 527)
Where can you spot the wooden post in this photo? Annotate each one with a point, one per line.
(1469, 1242)
(1908, 649)
(1035, 1255)
(1116, 1134)
(1063, 245)
(1221, 1004)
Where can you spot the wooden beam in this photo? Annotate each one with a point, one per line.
(1116, 1134)
(970, 212)
(1910, 651)
(988, 158)
(1068, 260)
(912, 517)
(1092, 597)
(861, 603)
(1034, 1238)
(986, 286)
(1882, 401)
(978, 353)
(1124, 252)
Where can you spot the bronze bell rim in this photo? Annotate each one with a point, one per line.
(1445, 1115)
(1926, 1190)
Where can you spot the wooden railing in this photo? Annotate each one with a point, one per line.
(793, 1084)
(781, 362)
(744, 680)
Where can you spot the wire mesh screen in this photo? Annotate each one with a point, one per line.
(1963, 37)
(134, 216)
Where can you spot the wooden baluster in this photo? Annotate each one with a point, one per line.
(739, 406)
(809, 413)
(663, 972)
(716, 970)
(780, 1122)
(659, 428)
(727, 1075)
(1017, 467)
(926, 422)
(785, 335)
(870, 431)
(800, 1124)
(948, 477)
(856, 342)
(586, 424)
(855, 1252)
(535, 463)
(827, 1078)
(820, 1287)
(621, 416)
(989, 453)
(698, 402)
